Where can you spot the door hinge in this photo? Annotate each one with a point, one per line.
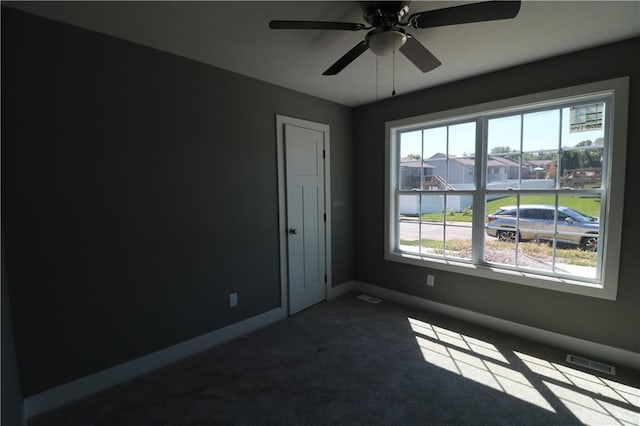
(324, 153)
(325, 217)
(325, 278)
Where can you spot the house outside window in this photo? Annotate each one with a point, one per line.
(538, 204)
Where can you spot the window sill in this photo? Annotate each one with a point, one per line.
(506, 275)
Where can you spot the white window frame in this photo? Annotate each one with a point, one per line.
(618, 91)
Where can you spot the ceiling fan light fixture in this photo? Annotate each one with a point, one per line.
(383, 43)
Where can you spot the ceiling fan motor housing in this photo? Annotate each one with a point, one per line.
(385, 14)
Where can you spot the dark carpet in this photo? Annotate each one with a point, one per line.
(350, 362)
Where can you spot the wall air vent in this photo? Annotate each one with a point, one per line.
(592, 365)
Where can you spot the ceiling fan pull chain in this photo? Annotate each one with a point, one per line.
(393, 92)
(377, 78)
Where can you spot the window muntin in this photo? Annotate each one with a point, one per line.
(532, 155)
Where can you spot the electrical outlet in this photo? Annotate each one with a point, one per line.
(233, 300)
(431, 280)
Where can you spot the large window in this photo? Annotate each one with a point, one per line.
(527, 190)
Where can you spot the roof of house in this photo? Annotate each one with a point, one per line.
(415, 163)
(492, 161)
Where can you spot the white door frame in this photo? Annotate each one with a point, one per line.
(281, 120)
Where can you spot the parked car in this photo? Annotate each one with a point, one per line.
(536, 222)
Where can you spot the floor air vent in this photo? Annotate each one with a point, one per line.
(592, 365)
(369, 299)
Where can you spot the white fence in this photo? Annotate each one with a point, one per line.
(523, 184)
(411, 204)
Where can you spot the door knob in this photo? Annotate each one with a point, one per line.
(293, 231)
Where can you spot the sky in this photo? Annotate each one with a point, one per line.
(541, 131)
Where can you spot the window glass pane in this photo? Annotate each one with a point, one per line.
(503, 152)
(411, 175)
(541, 130)
(584, 211)
(458, 221)
(583, 141)
(536, 231)
(541, 201)
(503, 171)
(537, 255)
(582, 167)
(501, 229)
(461, 156)
(435, 154)
(432, 227)
(462, 139)
(537, 172)
(410, 161)
(435, 142)
(540, 143)
(504, 134)
(577, 236)
(408, 222)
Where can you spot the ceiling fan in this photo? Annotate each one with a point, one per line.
(386, 20)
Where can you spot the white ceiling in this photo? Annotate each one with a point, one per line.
(235, 36)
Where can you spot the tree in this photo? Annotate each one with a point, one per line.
(501, 150)
(536, 156)
(582, 158)
(414, 156)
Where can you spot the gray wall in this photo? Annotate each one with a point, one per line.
(10, 391)
(139, 189)
(614, 323)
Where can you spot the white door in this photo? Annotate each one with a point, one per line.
(305, 216)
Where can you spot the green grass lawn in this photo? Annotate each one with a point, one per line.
(587, 205)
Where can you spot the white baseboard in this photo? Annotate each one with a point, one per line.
(85, 386)
(579, 346)
(340, 290)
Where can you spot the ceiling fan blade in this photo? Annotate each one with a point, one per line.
(464, 14)
(315, 25)
(419, 55)
(348, 57)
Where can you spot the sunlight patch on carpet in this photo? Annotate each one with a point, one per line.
(592, 399)
(475, 360)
